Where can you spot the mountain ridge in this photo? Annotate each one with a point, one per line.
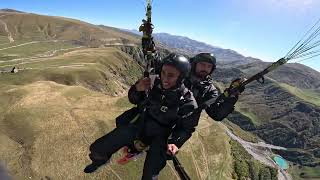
(11, 10)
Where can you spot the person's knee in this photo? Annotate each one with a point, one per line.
(93, 147)
(98, 157)
(97, 151)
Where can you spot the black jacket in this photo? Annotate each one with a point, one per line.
(205, 90)
(166, 112)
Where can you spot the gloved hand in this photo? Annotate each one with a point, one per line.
(235, 88)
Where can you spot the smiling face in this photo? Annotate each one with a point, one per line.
(203, 69)
(169, 76)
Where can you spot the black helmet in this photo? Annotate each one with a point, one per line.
(203, 57)
(178, 61)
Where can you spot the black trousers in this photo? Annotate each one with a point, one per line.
(104, 147)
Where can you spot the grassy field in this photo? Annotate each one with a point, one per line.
(210, 150)
(44, 48)
(248, 111)
(306, 95)
(305, 173)
(107, 70)
(46, 121)
(3, 40)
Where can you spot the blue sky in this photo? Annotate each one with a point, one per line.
(266, 29)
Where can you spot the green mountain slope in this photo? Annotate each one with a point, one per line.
(33, 27)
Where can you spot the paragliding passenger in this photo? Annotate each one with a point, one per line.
(168, 104)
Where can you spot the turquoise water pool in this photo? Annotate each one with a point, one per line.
(281, 162)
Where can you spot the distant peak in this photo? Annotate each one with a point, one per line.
(10, 10)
